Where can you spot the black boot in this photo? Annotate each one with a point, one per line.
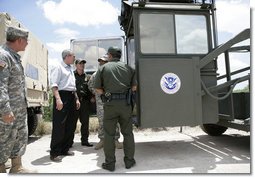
(108, 167)
(86, 144)
(129, 162)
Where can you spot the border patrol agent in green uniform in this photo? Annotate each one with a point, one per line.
(115, 81)
(100, 110)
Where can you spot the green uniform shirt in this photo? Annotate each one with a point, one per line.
(81, 82)
(115, 77)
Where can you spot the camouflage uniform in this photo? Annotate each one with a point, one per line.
(13, 136)
(100, 110)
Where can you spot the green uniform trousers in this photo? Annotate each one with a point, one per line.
(118, 112)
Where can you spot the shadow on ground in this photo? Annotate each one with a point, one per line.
(200, 154)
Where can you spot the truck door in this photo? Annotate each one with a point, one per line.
(168, 47)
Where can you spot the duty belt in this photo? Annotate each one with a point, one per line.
(118, 96)
(107, 97)
(83, 98)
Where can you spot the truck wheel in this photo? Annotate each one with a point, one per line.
(213, 129)
(32, 121)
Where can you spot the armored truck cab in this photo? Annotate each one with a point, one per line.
(35, 63)
(173, 47)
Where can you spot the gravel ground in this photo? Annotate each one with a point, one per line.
(157, 151)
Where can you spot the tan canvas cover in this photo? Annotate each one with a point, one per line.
(35, 63)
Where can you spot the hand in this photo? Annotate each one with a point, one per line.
(134, 88)
(78, 104)
(8, 118)
(59, 104)
(93, 100)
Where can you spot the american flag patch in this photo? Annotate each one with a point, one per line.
(2, 64)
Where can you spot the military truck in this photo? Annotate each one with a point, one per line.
(35, 63)
(173, 46)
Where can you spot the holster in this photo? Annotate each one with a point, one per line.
(106, 97)
(129, 97)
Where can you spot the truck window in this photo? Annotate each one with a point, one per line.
(157, 33)
(131, 53)
(191, 34)
(162, 33)
(106, 43)
(31, 71)
(88, 51)
(92, 49)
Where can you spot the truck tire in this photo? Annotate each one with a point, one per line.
(32, 121)
(213, 129)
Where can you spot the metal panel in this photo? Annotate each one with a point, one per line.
(241, 106)
(159, 109)
(210, 105)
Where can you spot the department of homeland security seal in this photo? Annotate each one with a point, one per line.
(170, 83)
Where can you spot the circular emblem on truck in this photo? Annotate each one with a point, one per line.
(170, 83)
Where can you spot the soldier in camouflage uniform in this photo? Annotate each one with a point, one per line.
(100, 111)
(13, 104)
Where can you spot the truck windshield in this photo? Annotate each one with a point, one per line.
(191, 34)
(157, 33)
(131, 52)
(92, 49)
(173, 34)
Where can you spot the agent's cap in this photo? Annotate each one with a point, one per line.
(114, 50)
(66, 52)
(79, 61)
(13, 33)
(103, 58)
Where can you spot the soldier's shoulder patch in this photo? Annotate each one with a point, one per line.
(2, 64)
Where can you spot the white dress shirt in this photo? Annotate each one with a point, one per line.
(62, 76)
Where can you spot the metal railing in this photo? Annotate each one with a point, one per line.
(226, 48)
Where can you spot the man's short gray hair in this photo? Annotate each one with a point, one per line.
(66, 52)
(14, 33)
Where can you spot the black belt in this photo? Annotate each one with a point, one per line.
(82, 98)
(66, 92)
(107, 97)
(118, 96)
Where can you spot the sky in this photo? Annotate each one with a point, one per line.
(56, 22)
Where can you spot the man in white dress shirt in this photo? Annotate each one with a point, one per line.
(65, 101)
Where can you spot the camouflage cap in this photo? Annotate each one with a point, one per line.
(103, 58)
(79, 61)
(66, 52)
(13, 33)
(114, 50)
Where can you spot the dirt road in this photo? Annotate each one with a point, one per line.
(164, 151)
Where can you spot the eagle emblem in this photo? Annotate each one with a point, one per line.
(170, 83)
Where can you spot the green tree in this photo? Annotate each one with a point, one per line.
(245, 89)
(47, 115)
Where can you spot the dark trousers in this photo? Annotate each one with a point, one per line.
(62, 132)
(83, 115)
(118, 112)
